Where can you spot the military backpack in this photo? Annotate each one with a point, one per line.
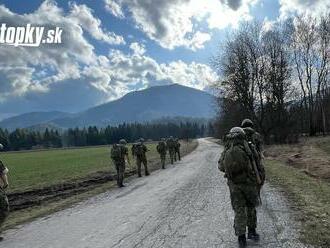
(117, 153)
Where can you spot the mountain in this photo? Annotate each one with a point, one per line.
(31, 119)
(138, 106)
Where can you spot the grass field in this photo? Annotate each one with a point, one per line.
(302, 171)
(37, 169)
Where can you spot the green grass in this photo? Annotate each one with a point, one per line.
(35, 169)
(310, 196)
(324, 144)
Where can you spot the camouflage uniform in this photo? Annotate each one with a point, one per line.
(4, 205)
(235, 162)
(171, 148)
(141, 157)
(161, 149)
(177, 149)
(119, 161)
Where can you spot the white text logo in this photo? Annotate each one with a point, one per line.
(29, 35)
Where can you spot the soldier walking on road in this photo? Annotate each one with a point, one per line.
(4, 205)
(171, 148)
(243, 181)
(177, 150)
(118, 154)
(161, 149)
(140, 152)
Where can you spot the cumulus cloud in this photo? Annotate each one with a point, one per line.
(57, 76)
(84, 16)
(114, 8)
(26, 69)
(311, 7)
(171, 22)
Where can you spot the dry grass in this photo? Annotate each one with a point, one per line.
(303, 171)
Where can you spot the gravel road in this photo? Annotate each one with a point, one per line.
(186, 205)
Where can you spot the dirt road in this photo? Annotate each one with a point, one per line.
(186, 205)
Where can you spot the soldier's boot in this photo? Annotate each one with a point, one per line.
(242, 241)
(1, 238)
(252, 234)
(163, 164)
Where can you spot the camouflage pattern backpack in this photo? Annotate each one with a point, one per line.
(161, 147)
(139, 150)
(117, 152)
(235, 161)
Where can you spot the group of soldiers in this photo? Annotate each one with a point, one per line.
(241, 161)
(119, 155)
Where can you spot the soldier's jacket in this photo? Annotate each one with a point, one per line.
(140, 151)
(235, 161)
(170, 144)
(118, 153)
(177, 145)
(255, 144)
(161, 147)
(4, 205)
(254, 137)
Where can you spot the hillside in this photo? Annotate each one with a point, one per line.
(138, 106)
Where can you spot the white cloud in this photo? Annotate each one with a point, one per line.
(311, 7)
(25, 69)
(171, 22)
(137, 48)
(114, 8)
(84, 16)
(36, 78)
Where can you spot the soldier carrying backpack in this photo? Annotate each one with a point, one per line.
(171, 148)
(243, 179)
(140, 153)
(118, 154)
(161, 149)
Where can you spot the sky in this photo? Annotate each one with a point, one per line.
(112, 47)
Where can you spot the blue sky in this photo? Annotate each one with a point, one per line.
(111, 47)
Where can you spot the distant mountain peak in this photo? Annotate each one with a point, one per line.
(137, 106)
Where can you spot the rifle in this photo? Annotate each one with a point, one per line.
(255, 168)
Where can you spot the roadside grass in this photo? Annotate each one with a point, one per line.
(37, 169)
(308, 193)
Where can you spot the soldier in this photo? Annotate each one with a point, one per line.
(243, 182)
(161, 149)
(171, 148)
(252, 135)
(140, 152)
(4, 205)
(118, 154)
(255, 142)
(177, 149)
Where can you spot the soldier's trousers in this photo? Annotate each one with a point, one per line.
(4, 207)
(163, 160)
(244, 200)
(143, 161)
(172, 156)
(177, 153)
(120, 167)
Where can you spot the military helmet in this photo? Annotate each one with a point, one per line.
(247, 123)
(237, 130)
(141, 139)
(162, 139)
(1, 146)
(122, 142)
(171, 137)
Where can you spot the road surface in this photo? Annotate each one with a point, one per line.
(186, 205)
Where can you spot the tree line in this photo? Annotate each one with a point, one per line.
(277, 76)
(25, 139)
